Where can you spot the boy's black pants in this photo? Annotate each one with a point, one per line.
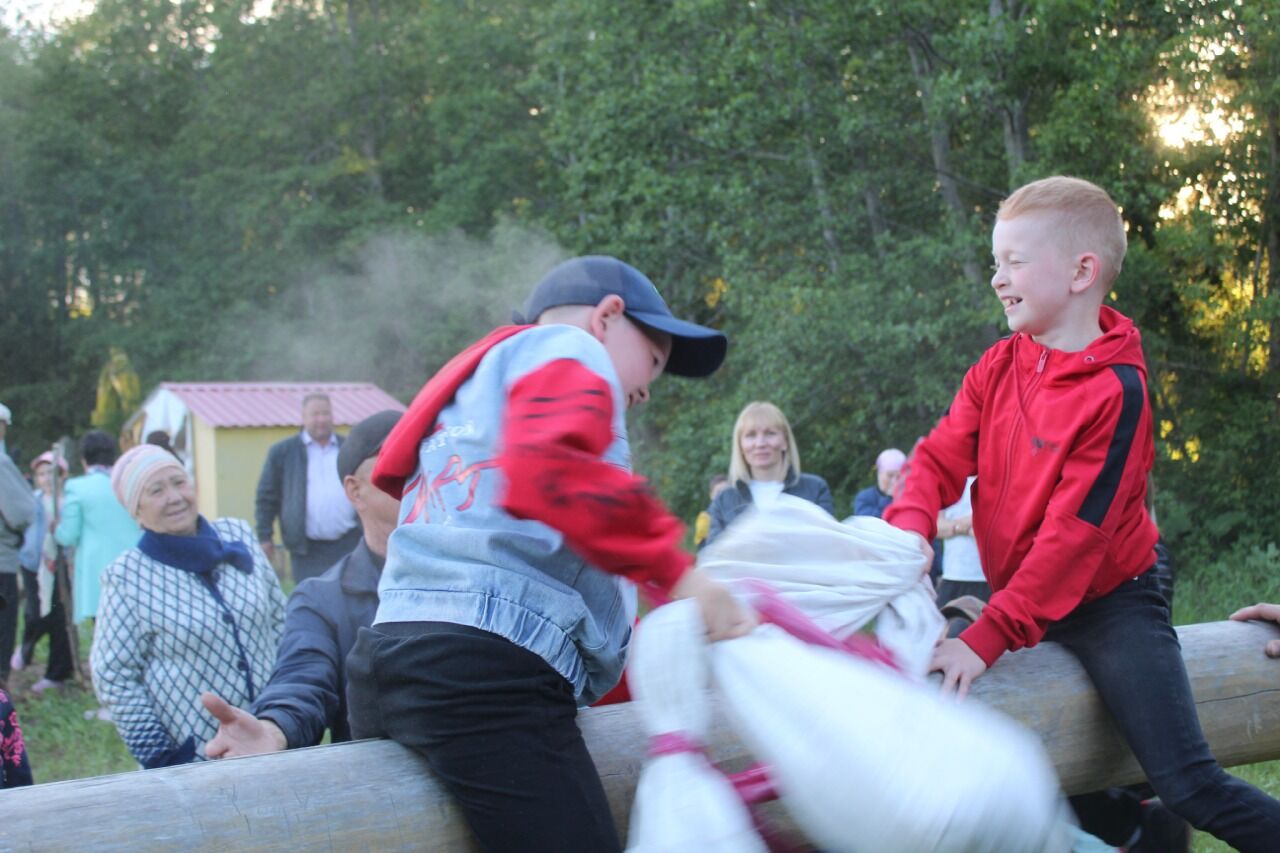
(496, 724)
(1128, 647)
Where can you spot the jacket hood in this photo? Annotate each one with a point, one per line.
(1120, 343)
(398, 458)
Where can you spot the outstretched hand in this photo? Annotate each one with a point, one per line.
(724, 616)
(1265, 612)
(959, 666)
(239, 732)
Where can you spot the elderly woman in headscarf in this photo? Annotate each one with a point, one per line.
(195, 606)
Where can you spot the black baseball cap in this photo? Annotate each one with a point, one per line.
(364, 441)
(695, 350)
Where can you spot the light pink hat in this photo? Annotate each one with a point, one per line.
(132, 471)
(46, 458)
(890, 460)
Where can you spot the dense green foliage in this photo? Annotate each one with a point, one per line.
(354, 189)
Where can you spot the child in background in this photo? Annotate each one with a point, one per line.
(504, 602)
(702, 525)
(1056, 424)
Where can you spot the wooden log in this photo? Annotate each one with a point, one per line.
(376, 795)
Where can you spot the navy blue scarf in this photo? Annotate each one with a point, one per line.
(199, 554)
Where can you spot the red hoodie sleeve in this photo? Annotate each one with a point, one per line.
(1098, 497)
(934, 475)
(558, 424)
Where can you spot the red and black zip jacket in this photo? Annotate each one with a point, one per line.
(1061, 443)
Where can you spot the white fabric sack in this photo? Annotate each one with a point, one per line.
(841, 574)
(865, 760)
(683, 804)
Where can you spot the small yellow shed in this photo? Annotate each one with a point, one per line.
(223, 430)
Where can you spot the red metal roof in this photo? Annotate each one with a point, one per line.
(270, 404)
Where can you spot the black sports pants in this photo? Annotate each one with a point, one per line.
(497, 725)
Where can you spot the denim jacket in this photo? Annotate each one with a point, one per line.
(33, 537)
(457, 556)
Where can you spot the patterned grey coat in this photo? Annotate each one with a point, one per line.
(163, 636)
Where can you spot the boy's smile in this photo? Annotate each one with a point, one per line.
(1032, 273)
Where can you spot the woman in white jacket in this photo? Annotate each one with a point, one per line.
(195, 606)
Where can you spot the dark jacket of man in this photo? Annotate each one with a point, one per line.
(307, 692)
(282, 491)
(731, 502)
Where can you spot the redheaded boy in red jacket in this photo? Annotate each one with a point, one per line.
(1055, 422)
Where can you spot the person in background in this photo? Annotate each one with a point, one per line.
(7, 449)
(15, 768)
(962, 589)
(764, 462)
(195, 606)
(44, 610)
(702, 525)
(873, 499)
(93, 522)
(160, 439)
(300, 486)
(307, 692)
(17, 512)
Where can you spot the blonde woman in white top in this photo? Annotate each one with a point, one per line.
(764, 462)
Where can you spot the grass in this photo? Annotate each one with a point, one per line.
(62, 744)
(1211, 596)
(1265, 776)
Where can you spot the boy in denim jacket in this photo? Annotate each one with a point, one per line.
(1055, 422)
(507, 598)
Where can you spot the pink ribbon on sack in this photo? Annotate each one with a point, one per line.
(754, 784)
(674, 743)
(776, 611)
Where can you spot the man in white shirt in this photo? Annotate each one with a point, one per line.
(300, 486)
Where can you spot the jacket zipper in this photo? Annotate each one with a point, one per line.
(1008, 451)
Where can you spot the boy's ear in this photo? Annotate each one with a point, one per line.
(1088, 271)
(608, 311)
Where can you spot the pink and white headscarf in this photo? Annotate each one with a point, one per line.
(132, 471)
